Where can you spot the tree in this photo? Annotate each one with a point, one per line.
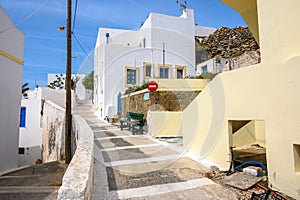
(25, 88)
(207, 75)
(58, 83)
(88, 81)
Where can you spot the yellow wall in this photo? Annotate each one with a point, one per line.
(181, 84)
(268, 91)
(165, 124)
(245, 135)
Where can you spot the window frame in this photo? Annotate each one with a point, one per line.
(137, 76)
(169, 66)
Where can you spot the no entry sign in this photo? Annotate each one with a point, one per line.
(152, 86)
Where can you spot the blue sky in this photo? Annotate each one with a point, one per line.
(45, 46)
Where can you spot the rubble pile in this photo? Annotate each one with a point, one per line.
(234, 41)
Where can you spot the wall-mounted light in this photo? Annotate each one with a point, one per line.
(61, 28)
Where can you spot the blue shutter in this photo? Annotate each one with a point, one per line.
(23, 117)
(131, 76)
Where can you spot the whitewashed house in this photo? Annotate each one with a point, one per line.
(11, 62)
(213, 65)
(80, 92)
(30, 139)
(164, 47)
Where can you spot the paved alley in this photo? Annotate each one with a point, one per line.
(130, 166)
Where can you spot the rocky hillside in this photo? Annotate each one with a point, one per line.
(239, 39)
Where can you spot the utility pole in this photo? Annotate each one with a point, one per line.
(68, 117)
(229, 57)
(164, 54)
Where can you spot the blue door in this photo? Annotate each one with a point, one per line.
(119, 103)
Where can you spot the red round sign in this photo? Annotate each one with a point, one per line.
(152, 86)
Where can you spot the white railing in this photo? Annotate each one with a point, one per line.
(77, 182)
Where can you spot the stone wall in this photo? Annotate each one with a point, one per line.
(52, 123)
(158, 101)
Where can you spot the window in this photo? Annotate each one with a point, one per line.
(132, 76)
(164, 72)
(148, 70)
(23, 117)
(204, 69)
(297, 157)
(180, 71)
(21, 150)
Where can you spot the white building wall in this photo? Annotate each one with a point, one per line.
(214, 65)
(31, 135)
(12, 44)
(202, 31)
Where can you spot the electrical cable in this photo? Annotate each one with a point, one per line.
(75, 13)
(26, 18)
(84, 34)
(82, 47)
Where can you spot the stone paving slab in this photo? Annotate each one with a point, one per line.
(109, 133)
(137, 153)
(29, 196)
(209, 192)
(102, 127)
(118, 142)
(181, 165)
(241, 181)
(121, 181)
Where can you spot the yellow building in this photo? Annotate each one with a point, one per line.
(257, 104)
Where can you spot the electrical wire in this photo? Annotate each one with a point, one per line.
(83, 34)
(82, 47)
(26, 18)
(75, 13)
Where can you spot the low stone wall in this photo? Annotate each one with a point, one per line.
(172, 101)
(164, 124)
(77, 182)
(52, 123)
